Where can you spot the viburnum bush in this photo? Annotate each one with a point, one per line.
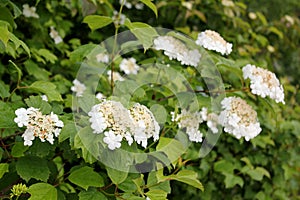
(147, 100)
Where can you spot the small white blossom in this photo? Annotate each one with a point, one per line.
(187, 4)
(238, 118)
(129, 66)
(29, 11)
(44, 98)
(190, 121)
(100, 96)
(112, 140)
(116, 76)
(145, 124)
(55, 36)
(118, 20)
(38, 125)
(175, 49)
(129, 5)
(139, 6)
(212, 122)
(78, 88)
(264, 83)
(102, 57)
(212, 40)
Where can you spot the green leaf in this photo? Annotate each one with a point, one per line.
(19, 71)
(66, 131)
(7, 116)
(258, 173)
(128, 185)
(17, 11)
(4, 90)
(157, 194)
(150, 5)
(4, 36)
(43, 191)
(47, 88)
(47, 55)
(224, 167)
(91, 195)
(18, 149)
(86, 177)
(273, 29)
(116, 176)
(17, 42)
(5, 15)
(186, 176)
(37, 102)
(33, 167)
(81, 52)
(171, 147)
(143, 32)
(38, 72)
(159, 112)
(96, 21)
(3, 169)
(231, 180)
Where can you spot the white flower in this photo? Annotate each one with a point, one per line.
(78, 88)
(175, 49)
(129, 66)
(44, 98)
(29, 11)
(139, 6)
(145, 124)
(118, 20)
(113, 140)
(212, 122)
(55, 36)
(187, 4)
(126, 3)
(22, 117)
(111, 116)
(116, 76)
(98, 121)
(264, 83)
(100, 96)
(190, 121)
(38, 125)
(102, 57)
(212, 40)
(238, 118)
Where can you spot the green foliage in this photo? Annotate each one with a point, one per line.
(43, 54)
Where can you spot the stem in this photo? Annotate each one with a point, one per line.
(117, 26)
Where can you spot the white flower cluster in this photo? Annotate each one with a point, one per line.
(212, 40)
(191, 121)
(29, 11)
(38, 125)
(211, 120)
(138, 6)
(78, 88)
(116, 122)
(55, 36)
(102, 57)
(118, 20)
(175, 49)
(145, 124)
(238, 118)
(264, 83)
(129, 66)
